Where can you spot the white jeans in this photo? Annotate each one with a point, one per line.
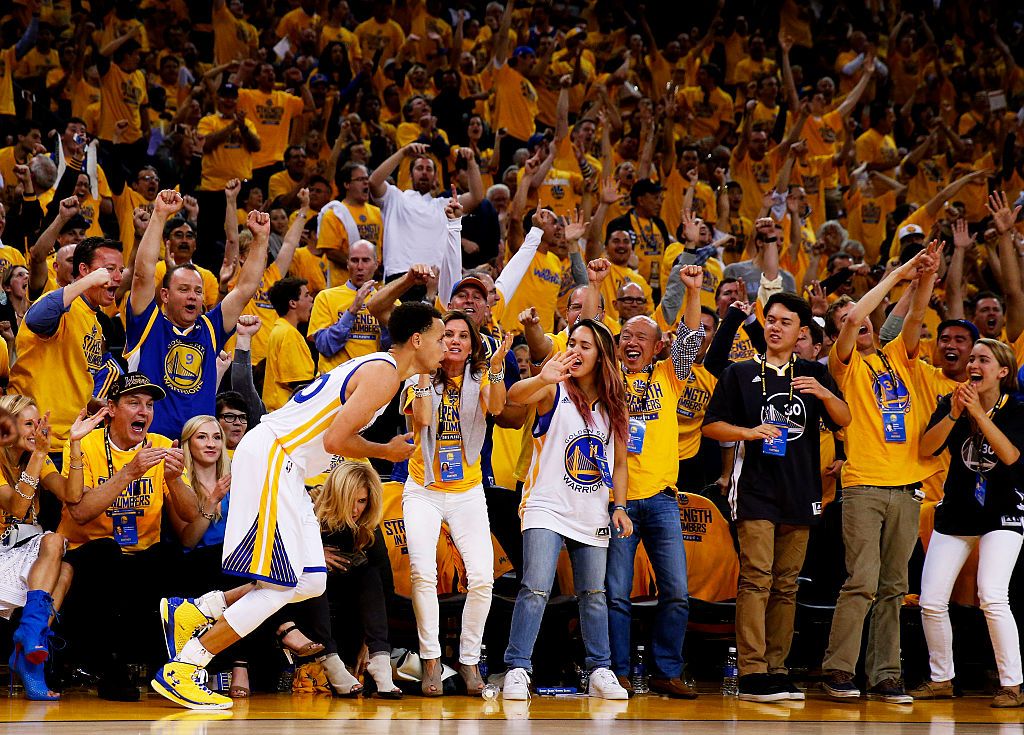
(998, 552)
(466, 514)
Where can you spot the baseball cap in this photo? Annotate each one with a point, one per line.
(78, 222)
(909, 230)
(318, 79)
(523, 51)
(575, 33)
(468, 281)
(228, 89)
(644, 186)
(535, 140)
(963, 323)
(135, 383)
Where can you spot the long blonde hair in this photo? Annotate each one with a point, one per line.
(11, 456)
(223, 463)
(333, 502)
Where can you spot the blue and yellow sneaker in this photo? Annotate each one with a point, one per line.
(182, 621)
(185, 684)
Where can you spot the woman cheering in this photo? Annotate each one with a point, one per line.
(981, 426)
(579, 439)
(445, 485)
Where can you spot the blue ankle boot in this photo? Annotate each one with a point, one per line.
(31, 675)
(34, 630)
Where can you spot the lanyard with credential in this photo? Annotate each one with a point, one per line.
(647, 387)
(887, 397)
(790, 366)
(977, 443)
(106, 448)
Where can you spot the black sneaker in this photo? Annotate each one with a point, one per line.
(890, 690)
(794, 692)
(839, 685)
(761, 688)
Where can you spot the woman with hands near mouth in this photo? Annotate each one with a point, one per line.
(982, 427)
(579, 456)
(448, 412)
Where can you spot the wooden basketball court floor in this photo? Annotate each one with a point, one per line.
(649, 715)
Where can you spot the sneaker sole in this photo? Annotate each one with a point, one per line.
(842, 693)
(776, 697)
(905, 699)
(615, 696)
(163, 691)
(796, 696)
(167, 628)
(516, 696)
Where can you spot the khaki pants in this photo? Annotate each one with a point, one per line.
(771, 556)
(879, 530)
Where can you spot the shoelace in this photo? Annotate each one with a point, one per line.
(200, 678)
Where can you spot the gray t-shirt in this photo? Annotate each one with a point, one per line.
(750, 274)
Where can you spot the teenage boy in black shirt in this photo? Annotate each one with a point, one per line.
(774, 403)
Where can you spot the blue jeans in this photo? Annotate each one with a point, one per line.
(656, 523)
(541, 548)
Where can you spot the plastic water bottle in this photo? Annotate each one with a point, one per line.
(482, 666)
(584, 677)
(638, 673)
(730, 674)
(490, 691)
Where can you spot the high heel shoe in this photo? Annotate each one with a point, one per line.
(306, 651)
(237, 691)
(470, 674)
(431, 685)
(31, 675)
(34, 630)
(343, 684)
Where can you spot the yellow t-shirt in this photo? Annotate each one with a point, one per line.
(756, 178)
(867, 385)
(9, 257)
(8, 60)
(332, 235)
(866, 221)
(617, 275)
(449, 434)
(707, 115)
(373, 35)
(307, 266)
(124, 207)
(364, 336)
(36, 63)
(823, 134)
(515, 102)
(271, 114)
(649, 472)
(143, 498)
(561, 192)
(288, 361)
(259, 305)
(814, 174)
(742, 348)
(211, 285)
(690, 410)
(69, 357)
(873, 147)
(230, 160)
(539, 288)
(121, 96)
(233, 38)
(675, 187)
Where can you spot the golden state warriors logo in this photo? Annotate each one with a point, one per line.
(183, 367)
(582, 469)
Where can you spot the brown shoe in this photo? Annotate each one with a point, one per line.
(933, 690)
(625, 684)
(675, 687)
(1009, 697)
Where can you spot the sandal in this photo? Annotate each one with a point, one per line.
(431, 685)
(307, 650)
(470, 674)
(343, 684)
(237, 691)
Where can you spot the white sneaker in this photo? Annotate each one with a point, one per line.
(604, 684)
(517, 685)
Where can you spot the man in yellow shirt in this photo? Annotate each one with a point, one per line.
(340, 325)
(876, 147)
(649, 231)
(618, 247)
(342, 223)
(131, 478)
(28, 143)
(881, 478)
(515, 98)
(273, 112)
(653, 388)
(123, 95)
(297, 20)
(289, 362)
(380, 32)
(233, 37)
(709, 105)
(61, 336)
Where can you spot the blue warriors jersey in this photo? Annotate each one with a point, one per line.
(182, 361)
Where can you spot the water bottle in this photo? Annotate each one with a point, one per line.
(584, 677)
(730, 674)
(638, 673)
(490, 691)
(482, 666)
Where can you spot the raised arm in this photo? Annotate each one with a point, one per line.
(919, 305)
(252, 270)
(382, 303)
(1004, 218)
(476, 193)
(785, 45)
(293, 236)
(166, 204)
(500, 55)
(955, 273)
(848, 104)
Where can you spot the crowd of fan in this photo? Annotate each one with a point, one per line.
(205, 206)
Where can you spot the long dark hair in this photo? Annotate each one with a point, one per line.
(607, 380)
(477, 355)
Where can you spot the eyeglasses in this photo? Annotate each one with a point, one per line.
(233, 418)
(634, 300)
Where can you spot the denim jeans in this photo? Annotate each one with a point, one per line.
(656, 523)
(541, 548)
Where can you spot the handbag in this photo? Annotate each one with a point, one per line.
(17, 534)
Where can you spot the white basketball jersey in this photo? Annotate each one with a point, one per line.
(567, 488)
(301, 423)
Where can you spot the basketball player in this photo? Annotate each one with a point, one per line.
(272, 534)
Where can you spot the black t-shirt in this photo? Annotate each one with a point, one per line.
(783, 489)
(960, 513)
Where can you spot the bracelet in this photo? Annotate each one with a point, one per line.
(951, 417)
(495, 377)
(32, 482)
(73, 466)
(620, 507)
(207, 516)
(422, 392)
